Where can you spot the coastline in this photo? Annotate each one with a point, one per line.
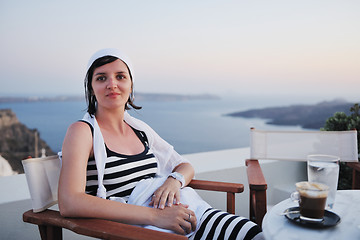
(139, 97)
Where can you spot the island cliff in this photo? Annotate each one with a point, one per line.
(306, 116)
(17, 141)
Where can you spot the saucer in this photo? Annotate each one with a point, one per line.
(330, 219)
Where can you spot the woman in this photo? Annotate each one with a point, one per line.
(115, 166)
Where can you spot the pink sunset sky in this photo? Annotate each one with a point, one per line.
(228, 48)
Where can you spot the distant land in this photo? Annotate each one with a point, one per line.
(306, 116)
(138, 97)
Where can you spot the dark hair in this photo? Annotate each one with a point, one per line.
(89, 92)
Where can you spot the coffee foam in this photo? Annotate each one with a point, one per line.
(312, 189)
(313, 194)
(312, 186)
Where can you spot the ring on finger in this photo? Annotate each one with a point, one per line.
(189, 217)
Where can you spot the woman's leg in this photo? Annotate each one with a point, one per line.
(217, 224)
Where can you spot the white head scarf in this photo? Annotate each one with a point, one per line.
(115, 53)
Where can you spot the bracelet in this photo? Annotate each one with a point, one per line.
(179, 177)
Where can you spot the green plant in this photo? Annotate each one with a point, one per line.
(342, 122)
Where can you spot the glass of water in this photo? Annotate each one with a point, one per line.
(324, 169)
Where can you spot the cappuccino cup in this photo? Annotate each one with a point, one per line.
(311, 197)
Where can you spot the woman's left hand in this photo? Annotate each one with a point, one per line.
(166, 194)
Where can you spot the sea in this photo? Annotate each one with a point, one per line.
(190, 126)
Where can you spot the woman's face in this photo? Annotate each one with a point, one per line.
(111, 84)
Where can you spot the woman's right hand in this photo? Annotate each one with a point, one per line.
(177, 218)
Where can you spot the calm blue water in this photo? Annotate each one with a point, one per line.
(190, 126)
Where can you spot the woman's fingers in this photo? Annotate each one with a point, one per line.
(177, 197)
(189, 223)
(193, 221)
(159, 199)
(184, 205)
(170, 199)
(186, 226)
(163, 199)
(155, 199)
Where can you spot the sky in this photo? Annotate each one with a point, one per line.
(305, 49)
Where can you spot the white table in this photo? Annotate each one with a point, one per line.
(347, 206)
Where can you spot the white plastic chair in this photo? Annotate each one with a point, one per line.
(42, 176)
(291, 146)
(296, 145)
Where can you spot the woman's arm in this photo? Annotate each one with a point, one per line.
(74, 202)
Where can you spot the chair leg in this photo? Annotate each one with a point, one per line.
(257, 206)
(230, 202)
(356, 180)
(42, 230)
(50, 232)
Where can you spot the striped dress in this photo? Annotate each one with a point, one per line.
(123, 172)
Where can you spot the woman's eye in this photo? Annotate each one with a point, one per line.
(100, 78)
(119, 77)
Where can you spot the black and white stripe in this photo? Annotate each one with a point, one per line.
(122, 172)
(217, 224)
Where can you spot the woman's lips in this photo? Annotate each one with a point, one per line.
(113, 94)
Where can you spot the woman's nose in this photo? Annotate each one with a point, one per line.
(112, 83)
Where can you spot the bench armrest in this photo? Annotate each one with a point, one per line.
(98, 228)
(217, 186)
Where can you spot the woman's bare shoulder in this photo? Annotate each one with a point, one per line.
(79, 127)
(78, 141)
(79, 132)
